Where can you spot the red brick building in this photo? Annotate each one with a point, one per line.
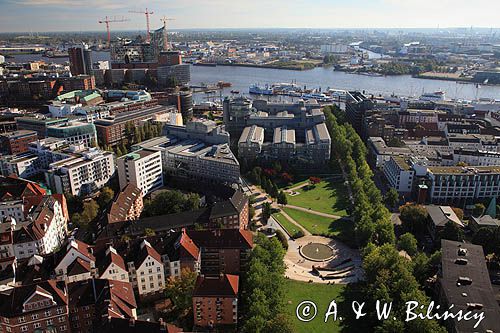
(38, 307)
(223, 250)
(16, 142)
(93, 302)
(215, 300)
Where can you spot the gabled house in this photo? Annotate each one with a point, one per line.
(146, 269)
(77, 264)
(111, 266)
(37, 307)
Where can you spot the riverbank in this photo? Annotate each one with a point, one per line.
(290, 66)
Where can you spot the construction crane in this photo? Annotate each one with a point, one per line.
(166, 46)
(107, 21)
(147, 13)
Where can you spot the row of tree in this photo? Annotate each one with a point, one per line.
(372, 219)
(263, 291)
(390, 277)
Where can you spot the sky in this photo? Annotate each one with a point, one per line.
(83, 15)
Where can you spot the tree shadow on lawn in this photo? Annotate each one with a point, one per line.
(343, 230)
(339, 191)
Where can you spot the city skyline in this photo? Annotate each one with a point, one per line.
(67, 15)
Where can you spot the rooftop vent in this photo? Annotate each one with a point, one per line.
(462, 252)
(461, 261)
(464, 281)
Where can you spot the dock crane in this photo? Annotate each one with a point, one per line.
(147, 13)
(166, 46)
(107, 21)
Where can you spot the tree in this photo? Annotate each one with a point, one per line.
(89, 213)
(286, 177)
(282, 199)
(452, 232)
(314, 180)
(282, 238)
(170, 202)
(478, 209)
(180, 290)
(266, 211)
(148, 232)
(414, 218)
(486, 238)
(251, 212)
(392, 197)
(105, 197)
(408, 243)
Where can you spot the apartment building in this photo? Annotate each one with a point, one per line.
(93, 302)
(81, 174)
(17, 142)
(215, 300)
(399, 174)
(449, 184)
(222, 250)
(111, 266)
(464, 282)
(127, 205)
(142, 168)
(40, 307)
(76, 263)
(146, 270)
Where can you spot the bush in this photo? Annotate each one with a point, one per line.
(282, 238)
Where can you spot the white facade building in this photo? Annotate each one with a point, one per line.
(146, 271)
(83, 173)
(143, 168)
(399, 174)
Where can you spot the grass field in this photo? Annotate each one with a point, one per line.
(289, 226)
(319, 225)
(322, 295)
(326, 197)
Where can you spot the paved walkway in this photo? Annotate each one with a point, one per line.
(290, 219)
(299, 268)
(336, 217)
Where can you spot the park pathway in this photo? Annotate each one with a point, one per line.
(307, 210)
(288, 217)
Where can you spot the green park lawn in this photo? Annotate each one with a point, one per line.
(322, 295)
(319, 225)
(326, 197)
(289, 226)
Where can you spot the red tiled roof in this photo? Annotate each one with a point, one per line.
(224, 285)
(188, 245)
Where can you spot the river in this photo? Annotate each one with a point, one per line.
(242, 77)
(403, 85)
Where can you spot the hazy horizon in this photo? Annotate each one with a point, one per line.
(75, 16)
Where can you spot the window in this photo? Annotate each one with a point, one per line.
(47, 313)
(50, 321)
(152, 285)
(22, 319)
(24, 328)
(34, 316)
(37, 325)
(62, 319)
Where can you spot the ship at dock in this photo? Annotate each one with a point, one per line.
(259, 90)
